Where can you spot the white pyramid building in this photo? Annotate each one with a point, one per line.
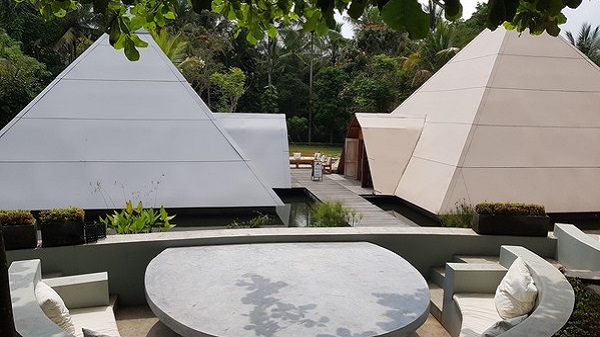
(264, 139)
(509, 118)
(107, 130)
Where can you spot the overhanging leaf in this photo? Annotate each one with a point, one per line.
(406, 15)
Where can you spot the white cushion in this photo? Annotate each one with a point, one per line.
(100, 319)
(54, 307)
(503, 326)
(478, 313)
(516, 293)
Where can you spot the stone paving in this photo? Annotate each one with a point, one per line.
(139, 321)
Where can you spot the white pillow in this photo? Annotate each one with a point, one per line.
(516, 293)
(54, 307)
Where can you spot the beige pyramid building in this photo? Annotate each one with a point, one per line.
(509, 118)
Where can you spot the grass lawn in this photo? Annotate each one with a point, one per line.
(334, 150)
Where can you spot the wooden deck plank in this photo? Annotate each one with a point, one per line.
(337, 188)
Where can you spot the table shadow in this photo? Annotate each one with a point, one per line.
(270, 313)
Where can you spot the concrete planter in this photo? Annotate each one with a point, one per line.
(517, 225)
(20, 237)
(66, 233)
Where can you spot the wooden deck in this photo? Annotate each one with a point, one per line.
(337, 188)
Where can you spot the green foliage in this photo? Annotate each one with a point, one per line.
(172, 45)
(62, 214)
(373, 37)
(509, 208)
(408, 16)
(376, 88)
(585, 319)
(297, 127)
(21, 78)
(468, 29)
(230, 86)
(269, 100)
(459, 217)
(257, 19)
(587, 41)
(259, 221)
(138, 220)
(334, 214)
(330, 107)
(16, 218)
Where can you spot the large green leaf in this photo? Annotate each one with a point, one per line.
(406, 15)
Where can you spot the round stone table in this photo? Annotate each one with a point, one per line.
(332, 289)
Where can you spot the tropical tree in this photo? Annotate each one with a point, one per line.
(269, 100)
(80, 29)
(21, 78)
(330, 111)
(173, 45)
(229, 87)
(587, 41)
(376, 88)
(438, 47)
(373, 37)
(467, 30)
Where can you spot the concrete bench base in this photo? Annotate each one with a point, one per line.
(86, 297)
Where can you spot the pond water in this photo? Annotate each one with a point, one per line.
(403, 210)
(299, 205)
(297, 212)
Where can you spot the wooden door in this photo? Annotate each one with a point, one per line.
(351, 154)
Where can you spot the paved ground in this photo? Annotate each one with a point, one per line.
(337, 188)
(141, 322)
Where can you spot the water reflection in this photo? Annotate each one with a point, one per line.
(297, 211)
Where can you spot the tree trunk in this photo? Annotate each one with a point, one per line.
(310, 91)
(7, 324)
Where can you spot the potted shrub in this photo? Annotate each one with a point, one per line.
(18, 229)
(510, 219)
(62, 227)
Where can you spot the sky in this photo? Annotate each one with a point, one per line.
(588, 11)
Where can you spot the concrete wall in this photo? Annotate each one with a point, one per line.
(575, 249)
(125, 257)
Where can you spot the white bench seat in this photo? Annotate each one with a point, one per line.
(478, 313)
(100, 319)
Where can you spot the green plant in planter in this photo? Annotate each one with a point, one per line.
(62, 215)
(334, 214)
(62, 226)
(138, 219)
(16, 218)
(18, 229)
(510, 218)
(510, 208)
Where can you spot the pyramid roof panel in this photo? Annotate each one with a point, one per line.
(100, 62)
(453, 106)
(512, 107)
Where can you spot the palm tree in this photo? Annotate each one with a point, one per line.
(588, 41)
(80, 31)
(172, 45)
